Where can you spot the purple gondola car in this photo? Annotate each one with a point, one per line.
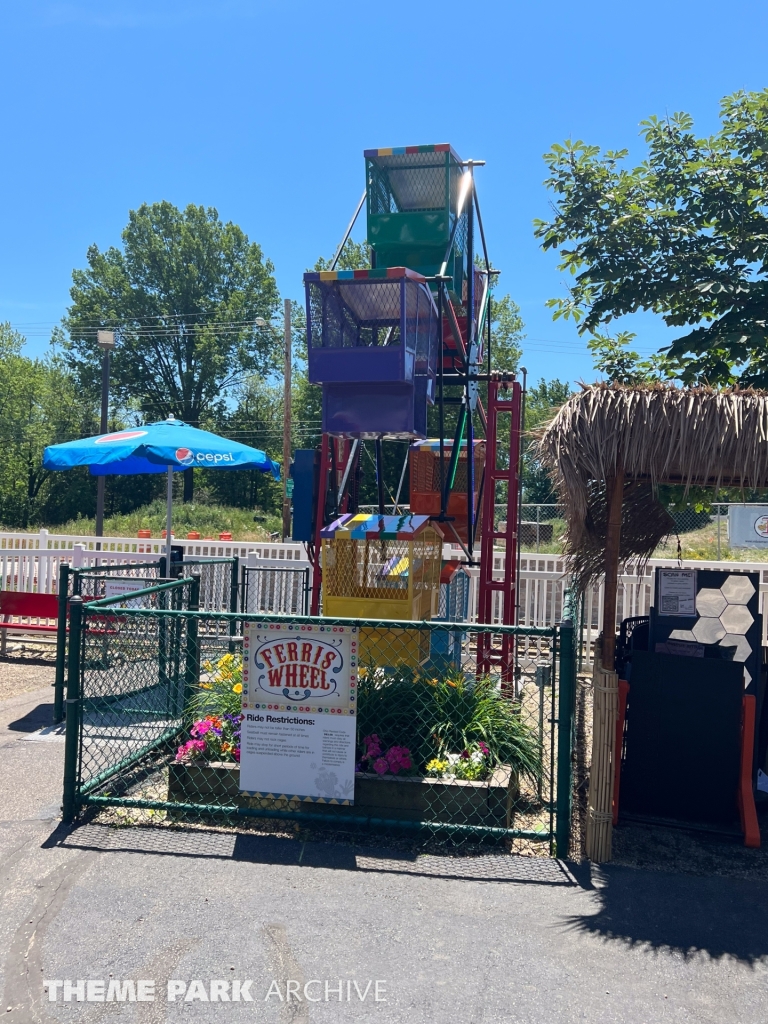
(372, 345)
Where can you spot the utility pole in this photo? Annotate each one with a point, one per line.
(287, 424)
(106, 342)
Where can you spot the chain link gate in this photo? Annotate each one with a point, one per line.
(219, 579)
(90, 583)
(275, 589)
(156, 732)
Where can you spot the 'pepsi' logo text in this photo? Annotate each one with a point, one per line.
(189, 458)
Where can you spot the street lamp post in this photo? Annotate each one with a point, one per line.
(106, 342)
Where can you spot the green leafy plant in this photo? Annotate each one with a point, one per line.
(434, 716)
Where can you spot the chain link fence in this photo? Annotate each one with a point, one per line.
(154, 726)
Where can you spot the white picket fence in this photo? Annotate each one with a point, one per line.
(30, 562)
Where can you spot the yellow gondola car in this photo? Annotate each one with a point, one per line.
(383, 567)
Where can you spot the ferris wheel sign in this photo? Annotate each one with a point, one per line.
(299, 706)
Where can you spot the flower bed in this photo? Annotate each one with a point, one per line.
(403, 798)
(449, 749)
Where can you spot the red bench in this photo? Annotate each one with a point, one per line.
(18, 605)
(27, 613)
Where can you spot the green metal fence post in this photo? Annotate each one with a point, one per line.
(566, 705)
(61, 645)
(162, 633)
(72, 733)
(192, 658)
(233, 600)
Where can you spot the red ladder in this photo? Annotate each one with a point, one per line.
(487, 653)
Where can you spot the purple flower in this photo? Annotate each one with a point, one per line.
(380, 766)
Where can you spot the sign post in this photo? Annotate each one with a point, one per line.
(299, 712)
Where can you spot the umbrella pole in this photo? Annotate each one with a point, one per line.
(168, 518)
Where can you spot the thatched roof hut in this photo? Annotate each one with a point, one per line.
(649, 436)
(609, 448)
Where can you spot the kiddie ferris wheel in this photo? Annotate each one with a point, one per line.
(387, 342)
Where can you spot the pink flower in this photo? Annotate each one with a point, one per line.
(372, 746)
(483, 748)
(236, 753)
(398, 759)
(380, 766)
(188, 750)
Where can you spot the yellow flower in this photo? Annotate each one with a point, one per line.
(237, 688)
(208, 667)
(226, 660)
(206, 686)
(436, 765)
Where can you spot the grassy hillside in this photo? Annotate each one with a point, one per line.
(207, 520)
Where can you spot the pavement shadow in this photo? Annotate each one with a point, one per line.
(688, 914)
(279, 850)
(38, 718)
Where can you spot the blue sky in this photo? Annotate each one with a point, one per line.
(262, 108)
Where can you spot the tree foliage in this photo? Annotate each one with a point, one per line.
(620, 364)
(183, 293)
(683, 234)
(541, 403)
(39, 405)
(507, 334)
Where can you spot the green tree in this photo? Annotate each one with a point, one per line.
(39, 405)
(507, 334)
(620, 364)
(541, 403)
(183, 293)
(683, 234)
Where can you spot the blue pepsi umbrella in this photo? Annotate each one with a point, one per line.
(168, 447)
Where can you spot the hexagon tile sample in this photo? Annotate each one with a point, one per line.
(736, 618)
(740, 642)
(737, 589)
(710, 601)
(709, 630)
(682, 634)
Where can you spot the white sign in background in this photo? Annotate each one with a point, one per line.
(119, 587)
(748, 526)
(299, 707)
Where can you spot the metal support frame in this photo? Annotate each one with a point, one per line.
(507, 587)
(323, 478)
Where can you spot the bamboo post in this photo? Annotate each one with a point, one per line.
(605, 681)
(614, 495)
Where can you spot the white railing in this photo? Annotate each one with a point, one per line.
(30, 562)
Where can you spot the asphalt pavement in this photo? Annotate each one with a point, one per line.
(259, 928)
